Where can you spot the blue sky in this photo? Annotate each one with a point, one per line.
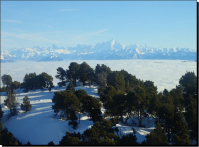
(66, 23)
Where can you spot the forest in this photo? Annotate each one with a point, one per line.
(122, 95)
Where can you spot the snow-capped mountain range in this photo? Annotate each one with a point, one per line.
(108, 50)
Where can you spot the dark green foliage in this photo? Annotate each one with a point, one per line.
(6, 79)
(73, 72)
(116, 106)
(108, 93)
(33, 81)
(116, 79)
(180, 131)
(149, 87)
(7, 138)
(101, 79)
(136, 101)
(64, 102)
(71, 87)
(81, 94)
(73, 118)
(11, 102)
(26, 106)
(129, 139)
(157, 136)
(102, 68)
(101, 74)
(70, 139)
(51, 143)
(83, 72)
(14, 85)
(61, 74)
(130, 81)
(101, 133)
(191, 118)
(93, 107)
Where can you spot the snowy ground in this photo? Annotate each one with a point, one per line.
(40, 125)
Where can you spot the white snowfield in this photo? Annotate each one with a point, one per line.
(40, 125)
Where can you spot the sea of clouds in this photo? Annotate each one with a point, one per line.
(164, 73)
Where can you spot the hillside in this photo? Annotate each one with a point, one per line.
(40, 125)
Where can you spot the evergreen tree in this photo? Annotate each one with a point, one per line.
(191, 119)
(28, 143)
(15, 85)
(116, 106)
(129, 139)
(116, 79)
(93, 107)
(157, 136)
(61, 74)
(101, 133)
(6, 79)
(73, 72)
(188, 83)
(101, 78)
(26, 106)
(180, 131)
(7, 138)
(11, 102)
(81, 94)
(108, 93)
(102, 68)
(73, 118)
(136, 101)
(64, 102)
(83, 72)
(70, 87)
(70, 139)
(51, 143)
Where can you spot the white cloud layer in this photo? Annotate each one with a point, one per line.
(164, 73)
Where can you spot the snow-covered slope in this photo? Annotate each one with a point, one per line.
(40, 125)
(104, 50)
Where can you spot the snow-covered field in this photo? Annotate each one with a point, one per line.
(164, 73)
(40, 126)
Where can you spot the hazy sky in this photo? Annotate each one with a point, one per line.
(67, 23)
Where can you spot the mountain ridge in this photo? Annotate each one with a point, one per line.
(107, 50)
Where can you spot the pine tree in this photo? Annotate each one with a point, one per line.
(26, 106)
(157, 136)
(73, 72)
(64, 102)
(11, 102)
(129, 139)
(70, 139)
(6, 79)
(191, 118)
(61, 74)
(71, 87)
(73, 118)
(180, 131)
(51, 143)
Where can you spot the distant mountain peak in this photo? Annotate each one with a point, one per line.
(111, 49)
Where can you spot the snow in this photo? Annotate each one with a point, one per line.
(40, 125)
